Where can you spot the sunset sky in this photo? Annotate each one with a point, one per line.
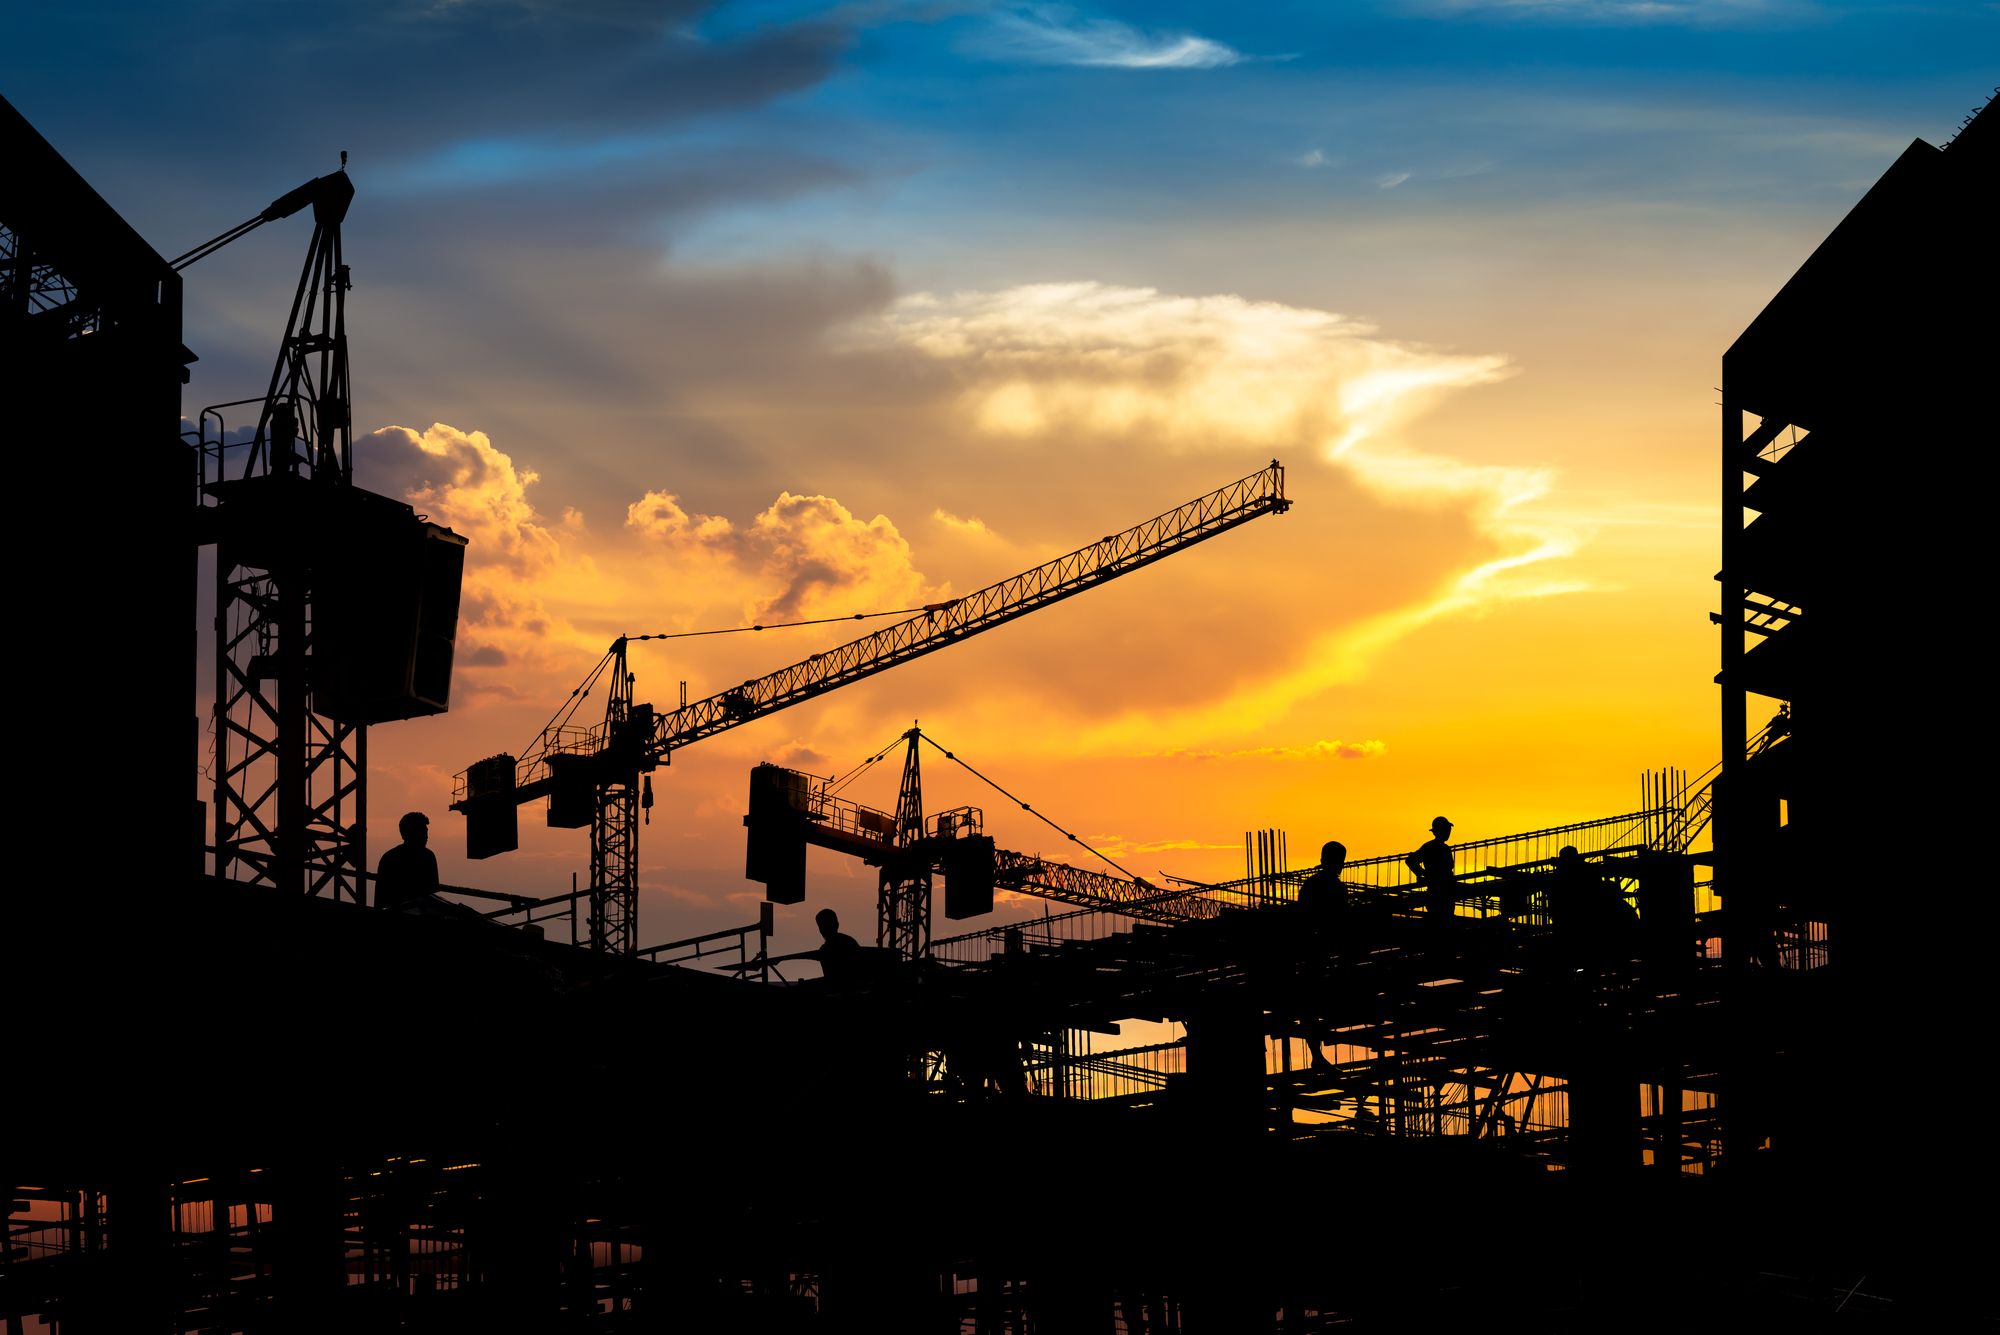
(689, 316)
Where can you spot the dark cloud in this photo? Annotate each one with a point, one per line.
(391, 78)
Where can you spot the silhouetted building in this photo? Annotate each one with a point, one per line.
(1854, 427)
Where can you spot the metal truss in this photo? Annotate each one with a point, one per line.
(1093, 889)
(614, 869)
(290, 785)
(614, 829)
(51, 300)
(903, 907)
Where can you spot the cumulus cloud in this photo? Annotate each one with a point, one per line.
(803, 556)
(828, 562)
(1106, 364)
(541, 598)
(1209, 372)
(463, 482)
(1191, 372)
(1053, 35)
(513, 556)
(658, 515)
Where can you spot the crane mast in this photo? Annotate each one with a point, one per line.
(597, 777)
(903, 901)
(789, 809)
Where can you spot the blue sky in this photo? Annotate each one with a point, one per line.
(1468, 267)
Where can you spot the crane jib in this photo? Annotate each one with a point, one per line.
(1248, 498)
(1261, 493)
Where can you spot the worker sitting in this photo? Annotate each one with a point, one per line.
(409, 871)
(840, 955)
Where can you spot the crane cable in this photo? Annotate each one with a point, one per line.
(581, 693)
(784, 625)
(1032, 812)
(567, 709)
(835, 785)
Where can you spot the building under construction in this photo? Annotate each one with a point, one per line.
(1694, 1061)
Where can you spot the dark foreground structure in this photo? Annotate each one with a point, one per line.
(1640, 1086)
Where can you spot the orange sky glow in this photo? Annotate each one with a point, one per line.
(1444, 623)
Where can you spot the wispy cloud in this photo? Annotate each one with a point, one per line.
(974, 527)
(1054, 35)
(1338, 750)
(1117, 845)
(1694, 13)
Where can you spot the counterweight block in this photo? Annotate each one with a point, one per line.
(968, 877)
(492, 818)
(775, 834)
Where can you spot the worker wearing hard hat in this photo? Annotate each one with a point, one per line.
(1433, 865)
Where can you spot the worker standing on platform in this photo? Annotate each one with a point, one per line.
(1323, 901)
(409, 870)
(1433, 866)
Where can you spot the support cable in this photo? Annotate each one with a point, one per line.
(835, 785)
(1031, 811)
(576, 697)
(785, 625)
(567, 709)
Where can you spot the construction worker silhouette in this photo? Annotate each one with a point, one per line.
(1587, 907)
(1433, 865)
(840, 955)
(1323, 900)
(1322, 895)
(409, 870)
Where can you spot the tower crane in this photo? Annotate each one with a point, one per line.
(601, 776)
(790, 809)
(335, 608)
